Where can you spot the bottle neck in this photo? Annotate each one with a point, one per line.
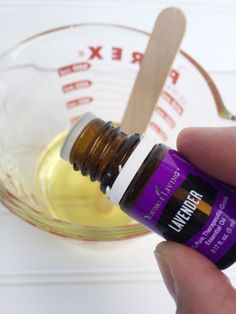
(101, 150)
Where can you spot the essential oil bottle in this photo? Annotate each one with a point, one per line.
(156, 186)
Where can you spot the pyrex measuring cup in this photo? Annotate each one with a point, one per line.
(46, 83)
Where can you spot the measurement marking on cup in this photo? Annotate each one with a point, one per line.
(79, 101)
(76, 85)
(72, 68)
(158, 130)
(161, 112)
(173, 102)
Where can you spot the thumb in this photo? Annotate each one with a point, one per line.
(194, 282)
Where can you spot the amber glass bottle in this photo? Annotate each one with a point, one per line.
(156, 186)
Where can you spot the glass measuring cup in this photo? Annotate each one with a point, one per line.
(46, 83)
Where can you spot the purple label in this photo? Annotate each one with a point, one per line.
(183, 204)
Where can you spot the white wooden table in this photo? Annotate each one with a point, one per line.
(44, 274)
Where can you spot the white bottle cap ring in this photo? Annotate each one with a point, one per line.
(129, 170)
(73, 134)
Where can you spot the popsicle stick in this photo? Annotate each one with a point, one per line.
(161, 50)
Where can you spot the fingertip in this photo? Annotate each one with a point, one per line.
(190, 276)
(211, 150)
(160, 246)
(185, 138)
(166, 247)
(184, 263)
(163, 263)
(178, 255)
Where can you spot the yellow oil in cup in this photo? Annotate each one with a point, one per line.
(69, 196)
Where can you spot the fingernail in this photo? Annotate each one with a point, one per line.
(165, 271)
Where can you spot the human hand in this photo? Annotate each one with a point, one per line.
(194, 282)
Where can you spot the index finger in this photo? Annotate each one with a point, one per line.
(212, 150)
